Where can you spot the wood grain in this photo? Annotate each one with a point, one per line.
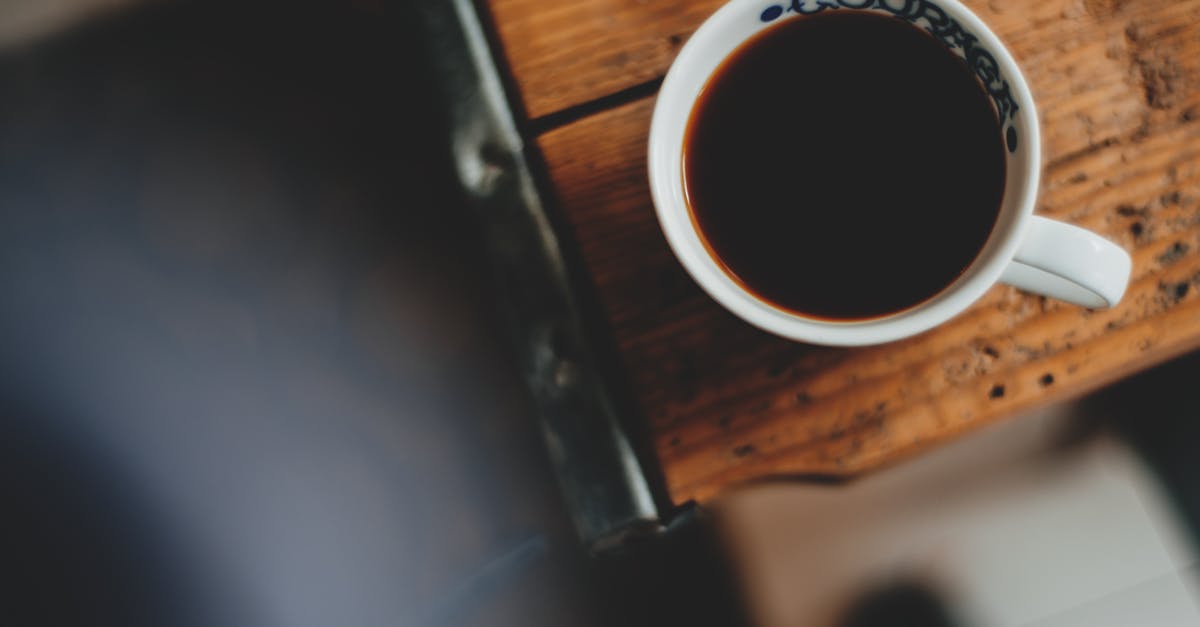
(565, 52)
(1117, 87)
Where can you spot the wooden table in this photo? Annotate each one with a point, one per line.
(1118, 86)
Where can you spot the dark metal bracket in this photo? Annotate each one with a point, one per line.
(608, 494)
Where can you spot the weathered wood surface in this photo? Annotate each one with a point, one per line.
(1118, 88)
(566, 52)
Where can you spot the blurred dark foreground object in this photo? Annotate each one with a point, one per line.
(905, 604)
(252, 369)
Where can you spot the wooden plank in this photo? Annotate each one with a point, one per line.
(565, 52)
(1117, 85)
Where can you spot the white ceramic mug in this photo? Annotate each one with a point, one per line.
(1027, 251)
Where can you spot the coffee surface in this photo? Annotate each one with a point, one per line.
(844, 165)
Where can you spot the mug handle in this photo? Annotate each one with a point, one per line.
(1069, 263)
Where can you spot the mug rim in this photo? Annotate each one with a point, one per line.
(676, 99)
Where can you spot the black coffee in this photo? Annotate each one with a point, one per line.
(844, 165)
